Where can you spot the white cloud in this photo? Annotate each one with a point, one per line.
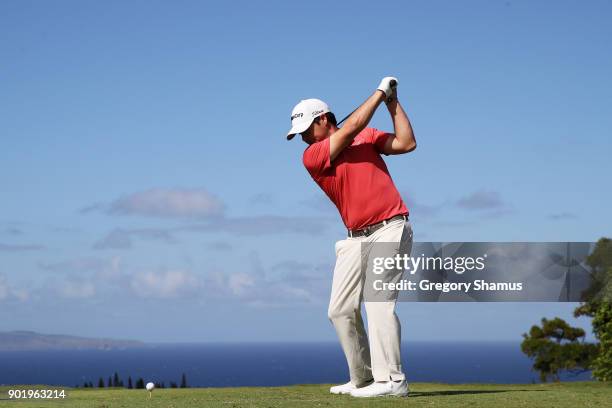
(166, 284)
(284, 284)
(8, 292)
(263, 224)
(81, 278)
(72, 288)
(239, 283)
(481, 200)
(116, 239)
(83, 264)
(21, 294)
(122, 238)
(159, 202)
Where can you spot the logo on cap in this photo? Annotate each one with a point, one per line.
(315, 113)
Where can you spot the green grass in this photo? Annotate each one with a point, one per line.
(575, 394)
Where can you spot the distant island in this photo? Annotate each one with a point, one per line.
(28, 340)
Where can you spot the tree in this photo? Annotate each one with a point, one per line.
(140, 383)
(557, 346)
(116, 380)
(598, 306)
(173, 384)
(183, 381)
(110, 382)
(101, 383)
(130, 382)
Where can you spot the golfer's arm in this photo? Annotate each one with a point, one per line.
(354, 124)
(403, 140)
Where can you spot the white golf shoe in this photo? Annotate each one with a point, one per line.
(380, 389)
(343, 389)
(347, 388)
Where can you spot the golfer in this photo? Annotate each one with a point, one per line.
(347, 165)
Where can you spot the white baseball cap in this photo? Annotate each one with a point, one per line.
(304, 113)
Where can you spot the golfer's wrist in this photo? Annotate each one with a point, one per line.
(391, 102)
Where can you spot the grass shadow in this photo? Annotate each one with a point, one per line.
(460, 392)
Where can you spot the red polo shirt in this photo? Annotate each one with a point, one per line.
(357, 181)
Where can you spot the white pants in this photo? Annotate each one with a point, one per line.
(380, 359)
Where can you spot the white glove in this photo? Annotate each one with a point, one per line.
(387, 85)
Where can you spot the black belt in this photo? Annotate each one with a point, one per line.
(370, 229)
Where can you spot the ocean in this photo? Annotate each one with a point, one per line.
(265, 364)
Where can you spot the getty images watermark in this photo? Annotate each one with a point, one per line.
(410, 265)
(477, 271)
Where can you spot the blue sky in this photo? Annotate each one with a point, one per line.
(148, 191)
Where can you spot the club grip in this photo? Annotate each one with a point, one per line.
(393, 83)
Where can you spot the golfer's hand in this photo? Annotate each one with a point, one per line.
(387, 85)
(393, 98)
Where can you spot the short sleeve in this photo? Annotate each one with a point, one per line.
(316, 157)
(378, 138)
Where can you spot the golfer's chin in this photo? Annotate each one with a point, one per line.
(313, 139)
